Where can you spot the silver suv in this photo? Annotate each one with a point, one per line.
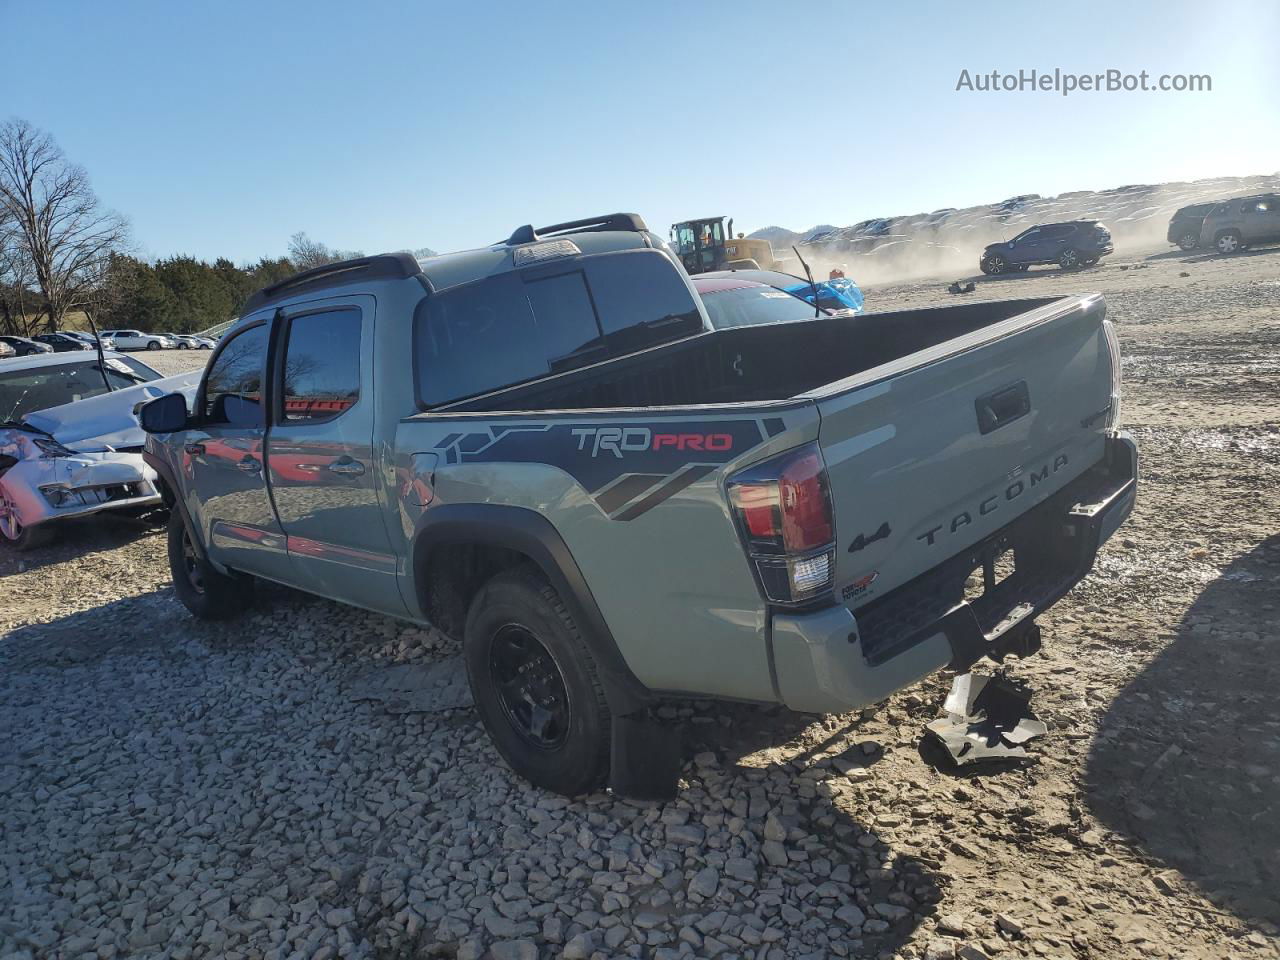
(1235, 224)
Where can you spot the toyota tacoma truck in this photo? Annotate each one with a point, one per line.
(545, 449)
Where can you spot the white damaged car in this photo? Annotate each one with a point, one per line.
(70, 443)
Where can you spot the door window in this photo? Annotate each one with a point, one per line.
(233, 385)
(321, 366)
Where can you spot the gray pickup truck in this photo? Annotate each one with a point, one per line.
(544, 449)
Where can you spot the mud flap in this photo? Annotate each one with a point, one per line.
(645, 759)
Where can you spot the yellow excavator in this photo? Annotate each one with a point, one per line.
(706, 244)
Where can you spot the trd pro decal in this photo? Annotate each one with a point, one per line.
(628, 468)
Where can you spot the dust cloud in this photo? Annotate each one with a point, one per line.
(949, 242)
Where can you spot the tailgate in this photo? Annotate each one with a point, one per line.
(948, 445)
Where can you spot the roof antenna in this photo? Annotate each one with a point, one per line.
(817, 311)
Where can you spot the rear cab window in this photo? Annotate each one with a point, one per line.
(525, 324)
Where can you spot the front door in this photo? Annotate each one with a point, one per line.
(1027, 248)
(222, 457)
(320, 457)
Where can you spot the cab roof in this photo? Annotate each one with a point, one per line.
(602, 234)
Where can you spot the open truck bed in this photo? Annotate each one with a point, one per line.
(774, 362)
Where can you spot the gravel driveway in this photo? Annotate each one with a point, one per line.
(177, 789)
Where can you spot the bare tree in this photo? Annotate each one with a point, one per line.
(17, 304)
(59, 228)
(306, 254)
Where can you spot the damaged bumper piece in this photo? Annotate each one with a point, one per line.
(42, 486)
(835, 660)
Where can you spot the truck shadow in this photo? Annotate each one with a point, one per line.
(1187, 759)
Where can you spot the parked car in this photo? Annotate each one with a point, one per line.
(839, 296)
(6, 351)
(610, 501)
(25, 346)
(107, 342)
(1078, 243)
(731, 302)
(1231, 226)
(1184, 226)
(137, 340)
(62, 342)
(183, 342)
(70, 444)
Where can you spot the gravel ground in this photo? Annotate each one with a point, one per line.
(176, 789)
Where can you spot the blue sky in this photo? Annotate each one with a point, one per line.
(222, 129)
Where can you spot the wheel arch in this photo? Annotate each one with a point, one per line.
(457, 548)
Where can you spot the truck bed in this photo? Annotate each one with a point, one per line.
(775, 362)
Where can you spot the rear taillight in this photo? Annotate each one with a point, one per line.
(1113, 347)
(783, 509)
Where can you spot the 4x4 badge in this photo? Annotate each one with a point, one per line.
(862, 540)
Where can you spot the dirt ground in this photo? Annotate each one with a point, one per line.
(175, 789)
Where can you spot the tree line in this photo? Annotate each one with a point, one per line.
(62, 251)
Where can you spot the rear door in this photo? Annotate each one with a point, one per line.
(320, 456)
(970, 435)
(1261, 220)
(1055, 240)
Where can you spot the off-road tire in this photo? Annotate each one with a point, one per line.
(1070, 260)
(1189, 241)
(520, 603)
(206, 593)
(1228, 242)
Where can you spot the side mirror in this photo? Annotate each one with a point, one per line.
(166, 414)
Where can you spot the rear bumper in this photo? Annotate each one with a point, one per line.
(836, 660)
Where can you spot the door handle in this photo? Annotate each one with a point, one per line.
(347, 467)
(249, 465)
